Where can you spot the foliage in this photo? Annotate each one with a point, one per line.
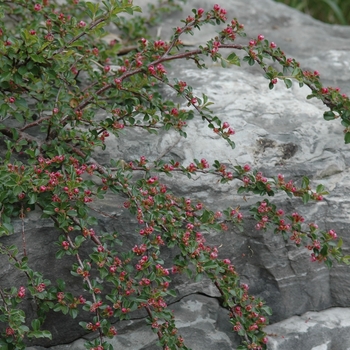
(57, 74)
(329, 11)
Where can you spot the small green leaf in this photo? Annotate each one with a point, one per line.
(347, 137)
(233, 59)
(172, 293)
(36, 325)
(267, 310)
(306, 198)
(288, 83)
(319, 188)
(329, 115)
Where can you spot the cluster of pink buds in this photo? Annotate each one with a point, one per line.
(332, 234)
(192, 168)
(204, 164)
(139, 250)
(220, 12)
(229, 31)
(65, 245)
(229, 130)
(21, 292)
(181, 86)
(10, 331)
(215, 48)
(159, 44)
(297, 218)
(40, 287)
(260, 178)
(93, 327)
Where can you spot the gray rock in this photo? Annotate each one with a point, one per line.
(325, 330)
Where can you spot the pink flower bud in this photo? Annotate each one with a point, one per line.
(200, 12)
(81, 24)
(246, 167)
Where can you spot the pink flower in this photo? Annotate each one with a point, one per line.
(261, 37)
(200, 12)
(332, 234)
(65, 245)
(21, 293)
(273, 45)
(246, 167)
(37, 7)
(81, 24)
(231, 131)
(12, 99)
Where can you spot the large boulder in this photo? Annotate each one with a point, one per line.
(277, 131)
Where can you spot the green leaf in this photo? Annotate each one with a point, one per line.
(205, 216)
(329, 115)
(73, 313)
(198, 277)
(60, 254)
(319, 188)
(32, 198)
(305, 182)
(340, 243)
(267, 310)
(37, 58)
(3, 109)
(288, 83)
(233, 59)
(36, 325)
(241, 190)
(306, 198)
(172, 293)
(40, 334)
(346, 259)
(347, 137)
(61, 284)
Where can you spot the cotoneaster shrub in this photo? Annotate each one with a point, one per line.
(57, 73)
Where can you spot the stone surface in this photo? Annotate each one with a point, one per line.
(276, 131)
(325, 330)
